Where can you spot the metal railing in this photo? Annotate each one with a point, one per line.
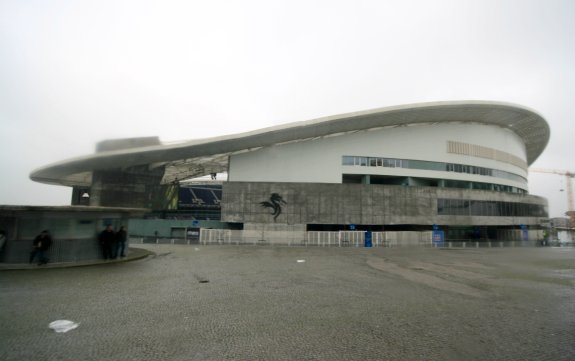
(302, 239)
(327, 239)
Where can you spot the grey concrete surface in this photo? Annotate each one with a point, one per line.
(367, 204)
(260, 303)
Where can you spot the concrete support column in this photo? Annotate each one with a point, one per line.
(135, 187)
(95, 190)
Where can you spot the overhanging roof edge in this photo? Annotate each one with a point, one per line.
(531, 127)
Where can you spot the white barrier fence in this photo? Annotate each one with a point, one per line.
(326, 239)
(216, 236)
(314, 238)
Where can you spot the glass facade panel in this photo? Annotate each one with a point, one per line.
(389, 163)
(428, 165)
(458, 207)
(347, 160)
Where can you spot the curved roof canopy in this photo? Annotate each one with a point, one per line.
(199, 157)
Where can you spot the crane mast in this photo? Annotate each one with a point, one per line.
(569, 185)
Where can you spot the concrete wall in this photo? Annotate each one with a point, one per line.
(133, 187)
(312, 203)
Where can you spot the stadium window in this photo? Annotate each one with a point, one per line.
(439, 166)
(347, 160)
(514, 209)
(492, 209)
(473, 205)
(489, 208)
(447, 205)
(500, 209)
(441, 206)
(465, 208)
(455, 206)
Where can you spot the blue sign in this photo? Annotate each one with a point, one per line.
(438, 238)
(367, 239)
(352, 227)
(524, 232)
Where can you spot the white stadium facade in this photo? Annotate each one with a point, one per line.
(456, 166)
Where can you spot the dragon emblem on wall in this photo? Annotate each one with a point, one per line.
(275, 203)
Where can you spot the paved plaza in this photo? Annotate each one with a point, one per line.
(280, 303)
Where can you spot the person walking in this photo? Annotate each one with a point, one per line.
(106, 238)
(121, 237)
(40, 246)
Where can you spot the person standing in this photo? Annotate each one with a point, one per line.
(3, 240)
(121, 237)
(41, 244)
(106, 238)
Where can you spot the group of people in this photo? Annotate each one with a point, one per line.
(113, 243)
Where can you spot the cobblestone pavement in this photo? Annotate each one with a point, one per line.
(260, 303)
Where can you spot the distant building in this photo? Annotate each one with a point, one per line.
(560, 222)
(457, 166)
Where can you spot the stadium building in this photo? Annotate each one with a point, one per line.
(460, 167)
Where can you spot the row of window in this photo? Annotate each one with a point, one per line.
(460, 207)
(427, 165)
(448, 183)
(426, 182)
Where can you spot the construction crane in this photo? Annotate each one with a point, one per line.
(568, 183)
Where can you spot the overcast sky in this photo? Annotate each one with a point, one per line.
(73, 73)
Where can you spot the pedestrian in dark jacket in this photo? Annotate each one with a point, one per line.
(121, 238)
(107, 238)
(3, 241)
(41, 244)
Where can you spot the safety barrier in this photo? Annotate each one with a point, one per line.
(388, 239)
(485, 244)
(218, 236)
